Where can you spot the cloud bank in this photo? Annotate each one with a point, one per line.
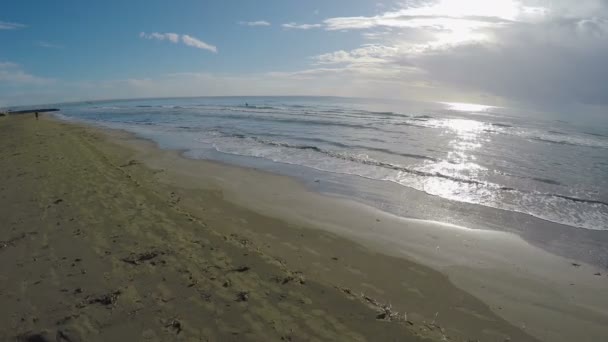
(11, 74)
(5, 25)
(541, 52)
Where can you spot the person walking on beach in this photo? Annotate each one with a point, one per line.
(36, 115)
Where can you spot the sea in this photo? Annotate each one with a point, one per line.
(508, 159)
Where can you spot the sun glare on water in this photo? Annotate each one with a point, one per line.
(467, 107)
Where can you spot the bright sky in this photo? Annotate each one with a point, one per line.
(544, 53)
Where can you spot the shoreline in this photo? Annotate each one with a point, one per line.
(479, 261)
(579, 244)
(345, 246)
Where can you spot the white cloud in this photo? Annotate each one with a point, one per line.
(172, 37)
(440, 15)
(11, 74)
(300, 26)
(48, 45)
(6, 65)
(367, 54)
(176, 38)
(5, 25)
(199, 44)
(450, 21)
(254, 23)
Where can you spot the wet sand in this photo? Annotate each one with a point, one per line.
(105, 237)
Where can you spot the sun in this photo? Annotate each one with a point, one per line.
(464, 20)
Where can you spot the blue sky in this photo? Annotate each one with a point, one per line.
(100, 40)
(542, 53)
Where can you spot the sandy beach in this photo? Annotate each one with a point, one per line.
(106, 237)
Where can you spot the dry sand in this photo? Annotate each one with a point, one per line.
(100, 242)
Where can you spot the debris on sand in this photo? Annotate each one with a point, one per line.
(241, 269)
(346, 290)
(67, 336)
(11, 242)
(385, 311)
(175, 325)
(34, 337)
(137, 259)
(242, 296)
(66, 319)
(576, 265)
(45, 336)
(131, 162)
(106, 299)
(296, 277)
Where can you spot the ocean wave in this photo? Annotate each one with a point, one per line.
(546, 180)
(258, 107)
(557, 132)
(297, 121)
(537, 179)
(365, 160)
(163, 106)
(568, 143)
(332, 111)
(409, 124)
(108, 107)
(497, 124)
(596, 134)
(320, 149)
(576, 199)
(391, 114)
(339, 113)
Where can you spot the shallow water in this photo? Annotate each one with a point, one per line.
(495, 157)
